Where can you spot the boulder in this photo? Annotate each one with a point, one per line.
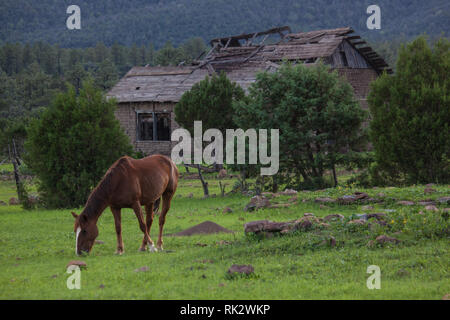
(289, 192)
(2, 203)
(255, 226)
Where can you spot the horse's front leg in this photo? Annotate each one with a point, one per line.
(138, 211)
(118, 223)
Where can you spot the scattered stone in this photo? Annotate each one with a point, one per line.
(367, 208)
(333, 217)
(444, 200)
(199, 244)
(267, 194)
(190, 195)
(429, 190)
(323, 207)
(257, 202)
(222, 174)
(384, 238)
(293, 199)
(360, 222)
(242, 269)
(426, 202)
(446, 210)
(308, 214)
(13, 201)
(347, 199)
(221, 285)
(3, 203)
(446, 297)
(54, 276)
(431, 208)
(381, 195)
(99, 242)
(102, 286)
(142, 269)
(227, 210)
(255, 226)
(280, 205)
(325, 200)
(224, 242)
(289, 192)
(78, 263)
(378, 215)
(406, 203)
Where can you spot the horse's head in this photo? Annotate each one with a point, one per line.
(86, 233)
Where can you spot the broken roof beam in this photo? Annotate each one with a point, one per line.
(250, 35)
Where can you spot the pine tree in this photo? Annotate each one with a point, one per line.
(411, 114)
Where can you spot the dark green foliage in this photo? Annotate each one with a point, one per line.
(411, 114)
(318, 118)
(144, 21)
(210, 101)
(72, 145)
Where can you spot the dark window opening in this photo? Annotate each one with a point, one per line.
(137, 88)
(344, 59)
(154, 126)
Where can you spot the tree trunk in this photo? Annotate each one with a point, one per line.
(204, 183)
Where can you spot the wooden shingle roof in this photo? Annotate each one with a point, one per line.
(241, 57)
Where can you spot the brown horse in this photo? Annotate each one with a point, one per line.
(129, 183)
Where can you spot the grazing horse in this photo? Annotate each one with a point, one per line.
(129, 183)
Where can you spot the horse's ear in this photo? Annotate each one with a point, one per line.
(74, 215)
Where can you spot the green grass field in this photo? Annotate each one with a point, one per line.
(35, 247)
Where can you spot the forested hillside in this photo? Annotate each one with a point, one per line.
(156, 21)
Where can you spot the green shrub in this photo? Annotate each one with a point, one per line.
(72, 145)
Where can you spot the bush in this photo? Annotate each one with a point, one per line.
(411, 115)
(72, 145)
(318, 118)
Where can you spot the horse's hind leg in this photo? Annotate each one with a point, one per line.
(167, 197)
(149, 220)
(138, 211)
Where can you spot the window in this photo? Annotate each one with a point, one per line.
(153, 126)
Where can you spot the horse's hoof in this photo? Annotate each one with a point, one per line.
(119, 253)
(160, 248)
(152, 249)
(142, 249)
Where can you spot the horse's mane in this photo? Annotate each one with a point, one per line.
(100, 194)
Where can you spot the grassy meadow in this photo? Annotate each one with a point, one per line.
(35, 247)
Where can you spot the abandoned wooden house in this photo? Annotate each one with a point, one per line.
(147, 95)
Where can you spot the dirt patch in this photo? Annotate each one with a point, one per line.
(207, 227)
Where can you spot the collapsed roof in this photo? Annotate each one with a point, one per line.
(242, 56)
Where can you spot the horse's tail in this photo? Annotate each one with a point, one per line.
(156, 205)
